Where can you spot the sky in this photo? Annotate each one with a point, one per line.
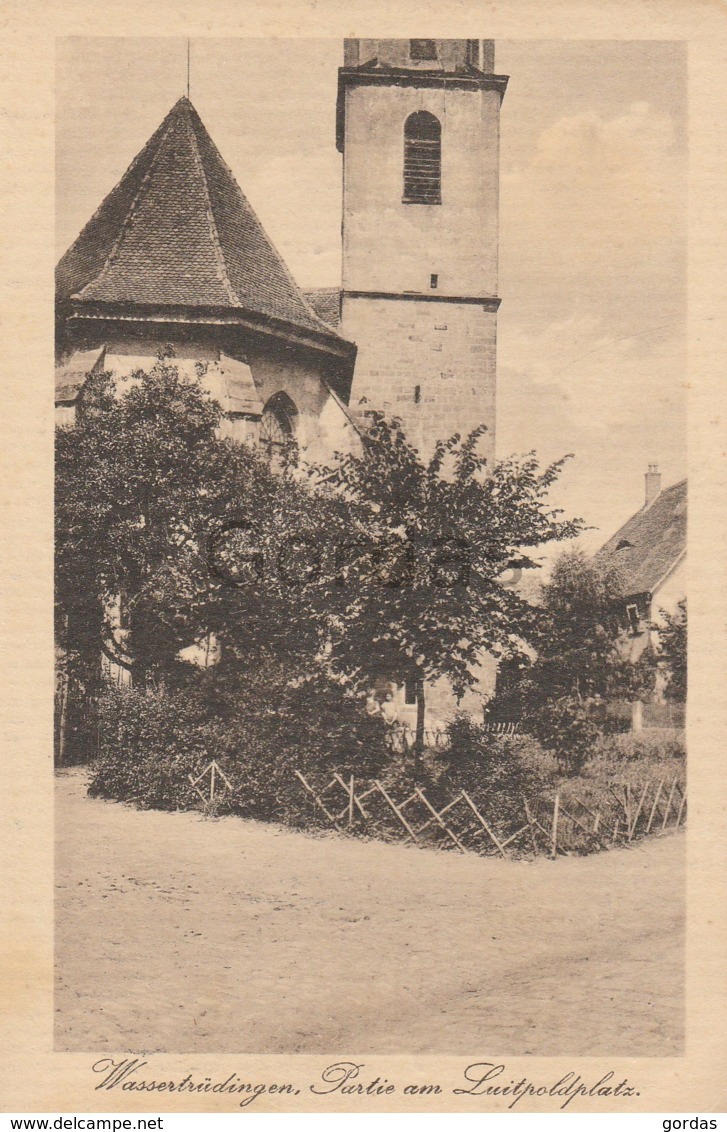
(591, 330)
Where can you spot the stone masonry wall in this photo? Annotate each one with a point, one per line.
(393, 246)
(431, 364)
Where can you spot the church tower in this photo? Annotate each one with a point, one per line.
(418, 126)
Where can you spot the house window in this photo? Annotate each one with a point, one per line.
(277, 430)
(633, 618)
(422, 159)
(422, 50)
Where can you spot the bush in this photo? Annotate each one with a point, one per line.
(640, 746)
(152, 741)
(498, 771)
(147, 748)
(636, 759)
(567, 727)
(633, 762)
(260, 728)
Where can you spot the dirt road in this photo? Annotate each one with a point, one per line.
(178, 934)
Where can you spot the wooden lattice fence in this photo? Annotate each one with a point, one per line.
(547, 825)
(402, 737)
(211, 786)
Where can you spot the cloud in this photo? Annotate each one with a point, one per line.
(617, 404)
(604, 379)
(591, 355)
(596, 215)
(298, 200)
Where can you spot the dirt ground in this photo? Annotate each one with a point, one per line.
(179, 934)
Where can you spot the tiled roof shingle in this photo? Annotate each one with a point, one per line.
(177, 231)
(651, 543)
(326, 302)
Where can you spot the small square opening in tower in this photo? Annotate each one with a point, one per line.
(421, 50)
(434, 282)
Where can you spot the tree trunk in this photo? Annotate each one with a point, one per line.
(419, 737)
(62, 720)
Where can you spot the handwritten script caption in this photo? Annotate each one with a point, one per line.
(350, 1079)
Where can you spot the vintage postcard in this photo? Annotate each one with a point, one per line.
(366, 625)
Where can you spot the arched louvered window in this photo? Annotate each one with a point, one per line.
(422, 159)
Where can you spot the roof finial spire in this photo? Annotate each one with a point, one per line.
(188, 50)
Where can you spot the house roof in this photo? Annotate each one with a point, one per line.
(652, 542)
(326, 302)
(178, 232)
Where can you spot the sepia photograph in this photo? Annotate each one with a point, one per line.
(370, 547)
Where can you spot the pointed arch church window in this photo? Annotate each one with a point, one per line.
(422, 159)
(277, 430)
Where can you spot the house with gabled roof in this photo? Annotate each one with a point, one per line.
(650, 550)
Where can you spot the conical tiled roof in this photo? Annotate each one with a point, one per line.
(178, 232)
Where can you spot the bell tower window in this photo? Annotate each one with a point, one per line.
(422, 159)
(422, 50)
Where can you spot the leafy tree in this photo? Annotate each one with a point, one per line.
(381, 564)
(581, 659)
(150, 504)
(583, 650)
(672, 633)
(427, 544)
(112, 526)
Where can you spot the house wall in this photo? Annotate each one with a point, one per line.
(241, 429)
(65, 415)
(440, 701)
(671, 592)
(321, 427)
(665, 599)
